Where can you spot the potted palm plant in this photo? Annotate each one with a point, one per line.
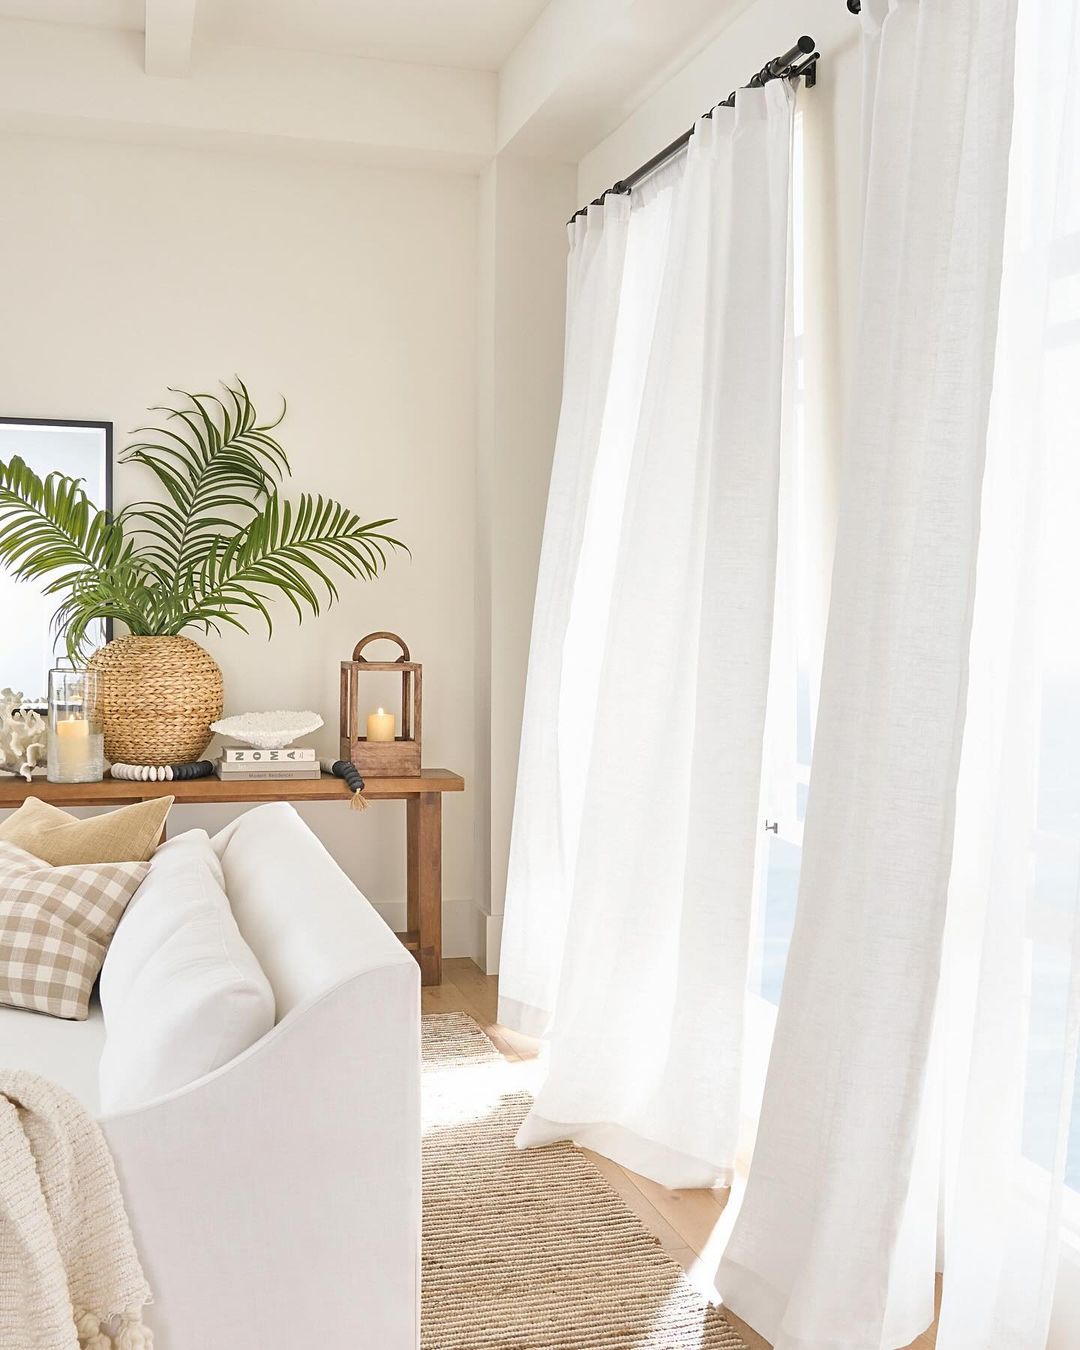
(214, 550)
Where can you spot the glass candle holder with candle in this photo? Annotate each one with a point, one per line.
(76, 735)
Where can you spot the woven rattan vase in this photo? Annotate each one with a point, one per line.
(159, 696)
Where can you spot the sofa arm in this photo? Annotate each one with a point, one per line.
(278, 1199)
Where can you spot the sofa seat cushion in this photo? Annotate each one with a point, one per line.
(64, 1051)
(181, 991)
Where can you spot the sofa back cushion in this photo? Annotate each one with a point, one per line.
(181, 991)
(308, 925)
(129, 834)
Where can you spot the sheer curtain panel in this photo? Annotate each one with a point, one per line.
(642, 909)
(1011, 987)
(835, 1244)
(549, 766)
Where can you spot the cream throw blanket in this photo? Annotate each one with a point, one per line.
(69, 1275)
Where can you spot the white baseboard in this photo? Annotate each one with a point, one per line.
(492, 936)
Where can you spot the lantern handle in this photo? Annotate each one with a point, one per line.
(375, 637)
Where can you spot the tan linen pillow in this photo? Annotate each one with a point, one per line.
(129, 834)
(55, 926)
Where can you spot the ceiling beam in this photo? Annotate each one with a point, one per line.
(71, 79)
(170, 28)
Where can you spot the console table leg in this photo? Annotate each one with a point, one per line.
(424, 893)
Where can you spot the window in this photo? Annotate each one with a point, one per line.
(1054, 910)
(797, 640)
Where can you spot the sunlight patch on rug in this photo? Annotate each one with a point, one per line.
(532, 1249)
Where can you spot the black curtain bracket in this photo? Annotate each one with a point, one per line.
(799, 62)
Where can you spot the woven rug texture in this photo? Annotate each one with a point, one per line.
(532, 1249)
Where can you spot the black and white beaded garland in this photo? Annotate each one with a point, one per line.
(163, 773)
(203, 768)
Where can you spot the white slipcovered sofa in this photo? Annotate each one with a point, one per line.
(276, 1199)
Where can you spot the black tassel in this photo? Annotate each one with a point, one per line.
(346, 770)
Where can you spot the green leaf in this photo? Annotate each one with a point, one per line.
(217, 465)
(289, 550)
(218, 546)
(49, 524)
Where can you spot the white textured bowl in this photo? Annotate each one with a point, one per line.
(268, 730)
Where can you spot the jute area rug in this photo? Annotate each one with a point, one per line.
(533, 1250)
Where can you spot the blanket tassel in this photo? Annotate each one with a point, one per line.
(128, 1332)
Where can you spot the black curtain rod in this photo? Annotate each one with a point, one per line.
(799, 61)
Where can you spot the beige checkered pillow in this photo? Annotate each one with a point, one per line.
(55, 926)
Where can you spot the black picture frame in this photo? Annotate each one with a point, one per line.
(89, 425)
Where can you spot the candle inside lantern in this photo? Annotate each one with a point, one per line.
(380, 726)
(73, 747)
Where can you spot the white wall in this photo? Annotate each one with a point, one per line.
(351, 290)
(413, 315)
(524, 208)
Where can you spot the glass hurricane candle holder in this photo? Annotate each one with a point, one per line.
(76, 739)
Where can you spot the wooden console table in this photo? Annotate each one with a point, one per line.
(423, 809)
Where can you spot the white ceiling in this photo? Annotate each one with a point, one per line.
(475, 34)
(449, 83)
(478, 34)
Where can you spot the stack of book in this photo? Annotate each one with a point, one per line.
(243, 762)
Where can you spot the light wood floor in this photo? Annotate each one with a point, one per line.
(690, 1225)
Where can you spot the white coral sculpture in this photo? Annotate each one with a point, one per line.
(23, 735)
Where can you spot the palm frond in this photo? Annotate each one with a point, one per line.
(213, 551)
(125, 593)
(217, 465)
(50, 528)
(291, 550)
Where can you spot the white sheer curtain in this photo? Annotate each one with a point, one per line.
(601, 391)
(835, 1244)
(630, 888)
(1011, 990)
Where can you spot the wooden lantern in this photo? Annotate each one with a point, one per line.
(387, 759)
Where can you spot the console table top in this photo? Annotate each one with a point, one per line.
(206, 791)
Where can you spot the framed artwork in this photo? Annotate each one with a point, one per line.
(28, 646)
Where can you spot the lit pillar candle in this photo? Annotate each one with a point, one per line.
(380, 726)
(73, 746)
